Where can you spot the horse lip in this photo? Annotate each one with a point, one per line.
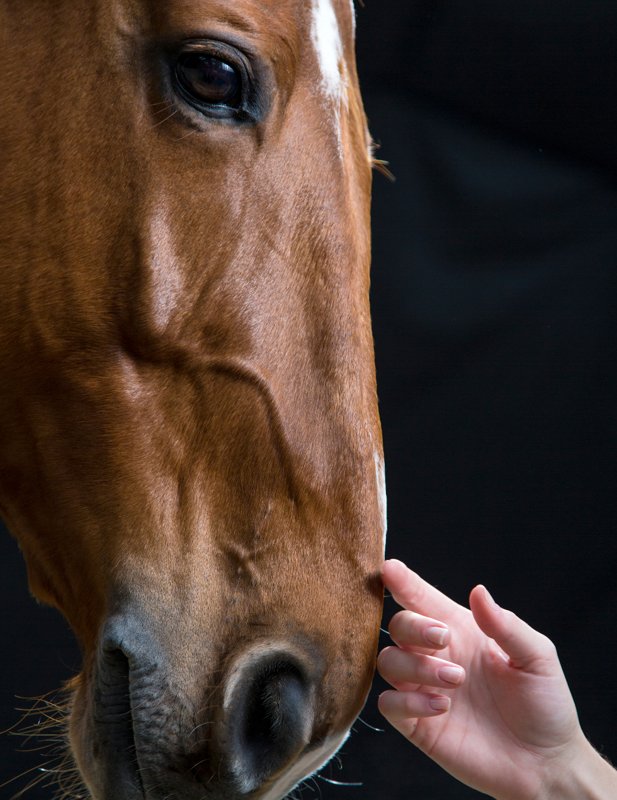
(121, 777)
(114, 727)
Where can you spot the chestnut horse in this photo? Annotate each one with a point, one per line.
(191, 453)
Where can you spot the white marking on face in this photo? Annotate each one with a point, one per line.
(326, 38)
(327, 41)
(382, 499)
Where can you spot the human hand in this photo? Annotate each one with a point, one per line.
(480, 692)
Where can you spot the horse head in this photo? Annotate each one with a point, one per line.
(191, 453)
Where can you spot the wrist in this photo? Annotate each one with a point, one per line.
(579, 774)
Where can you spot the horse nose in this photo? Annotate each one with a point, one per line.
(262, 720)
(268, 715)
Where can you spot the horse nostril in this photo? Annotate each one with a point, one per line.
(273, 709)
(270, 718)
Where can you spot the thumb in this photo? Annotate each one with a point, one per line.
(527, 648)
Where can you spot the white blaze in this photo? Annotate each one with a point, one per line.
(382, 500)
(327, 41)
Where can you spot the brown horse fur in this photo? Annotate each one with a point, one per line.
(188, 414)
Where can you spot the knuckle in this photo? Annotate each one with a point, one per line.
(409, 705)
(411, 730)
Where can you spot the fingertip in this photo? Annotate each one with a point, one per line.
(480, 591)
(394, 574)
(481, 597)
(486, 612)
(488, 597)
(382, 700)
(517, 640)
(382, 657)
(392, 564)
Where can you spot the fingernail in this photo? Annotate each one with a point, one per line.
(439, 703)
(451, 674)
(437, 635)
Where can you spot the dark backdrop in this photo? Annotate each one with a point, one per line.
(494, 291)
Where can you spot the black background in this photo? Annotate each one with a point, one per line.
(494, 293)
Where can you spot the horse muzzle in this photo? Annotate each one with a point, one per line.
(252, 729)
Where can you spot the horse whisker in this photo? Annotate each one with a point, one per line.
(45, 721)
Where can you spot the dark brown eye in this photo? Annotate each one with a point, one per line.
(205, 79)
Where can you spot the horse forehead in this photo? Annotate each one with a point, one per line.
(326, 36)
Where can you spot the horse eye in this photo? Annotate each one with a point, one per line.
(206, 79)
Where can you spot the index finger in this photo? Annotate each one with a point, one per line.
(415, 594)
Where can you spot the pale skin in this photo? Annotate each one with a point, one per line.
(483, 694)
